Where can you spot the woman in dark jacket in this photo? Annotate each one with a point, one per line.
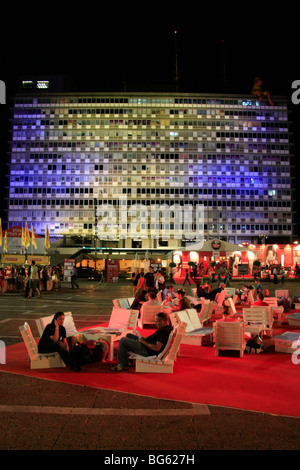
(54, 339)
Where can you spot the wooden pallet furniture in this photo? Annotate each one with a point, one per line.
(148, 313)
(277, 312)
(256, 320)
(282, 293)
(163, 362)
(36, 359)
(285, 342)
(229, 335)
(196, 331)
(230, 291)
(69, 324)
(124, 302)
(294, 319)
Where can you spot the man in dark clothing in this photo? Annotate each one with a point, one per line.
(150, 281)
(150, 346)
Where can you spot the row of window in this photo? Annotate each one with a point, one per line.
(91, 145)
(87, 168)
(253, 113)
(112, 123)
(284, 206)
(147, 134)
(141, 100)
(263, 198)
(159, 181)
(104, 230)
(208, 158)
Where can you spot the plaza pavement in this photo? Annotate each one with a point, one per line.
(37, 414)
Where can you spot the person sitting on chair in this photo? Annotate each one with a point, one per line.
(183, 302)
(260, 300)
(54, 339)
(151, 306)
(150, 346)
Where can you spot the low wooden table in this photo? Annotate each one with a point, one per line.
(94, 334)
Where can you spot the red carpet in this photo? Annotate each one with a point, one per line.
(268, 382)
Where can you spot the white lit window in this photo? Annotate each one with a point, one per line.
(42, 84)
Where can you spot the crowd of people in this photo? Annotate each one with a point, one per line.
(149, 289)
(30, 279)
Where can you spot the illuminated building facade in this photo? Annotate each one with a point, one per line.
(74, 154)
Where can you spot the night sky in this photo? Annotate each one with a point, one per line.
(109, 48)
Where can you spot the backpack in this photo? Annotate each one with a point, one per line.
(81, 354)
(100, 351)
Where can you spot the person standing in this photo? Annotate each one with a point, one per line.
(45, 277)
(282, 274)
(34, 280)
(135, 280)
(74, 278)
(150, 280)
(187, 277)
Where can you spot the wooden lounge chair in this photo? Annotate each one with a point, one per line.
(282, 293)
(275, 310)
(229, 336)
(121, 303)
(69, 324)
(164, 362)
(37, 360)
(256, 320)
(148, 313)
(230, 291)
(196, 331)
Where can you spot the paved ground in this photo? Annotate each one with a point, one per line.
(37, 414)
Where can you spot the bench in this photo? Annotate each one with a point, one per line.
(36, 359)
(163, 362)
(284, 342)
(294, 319)
(195, 330)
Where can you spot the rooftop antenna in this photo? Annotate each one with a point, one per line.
(224, 71)
(176, 62)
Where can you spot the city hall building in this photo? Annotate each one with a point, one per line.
(149, 170)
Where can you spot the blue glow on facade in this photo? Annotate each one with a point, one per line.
(231, 153)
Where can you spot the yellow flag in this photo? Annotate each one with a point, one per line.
(27, 236)
(5, 241)
(33, 237)
(23, 237)
(1, 232)
(47, 241)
